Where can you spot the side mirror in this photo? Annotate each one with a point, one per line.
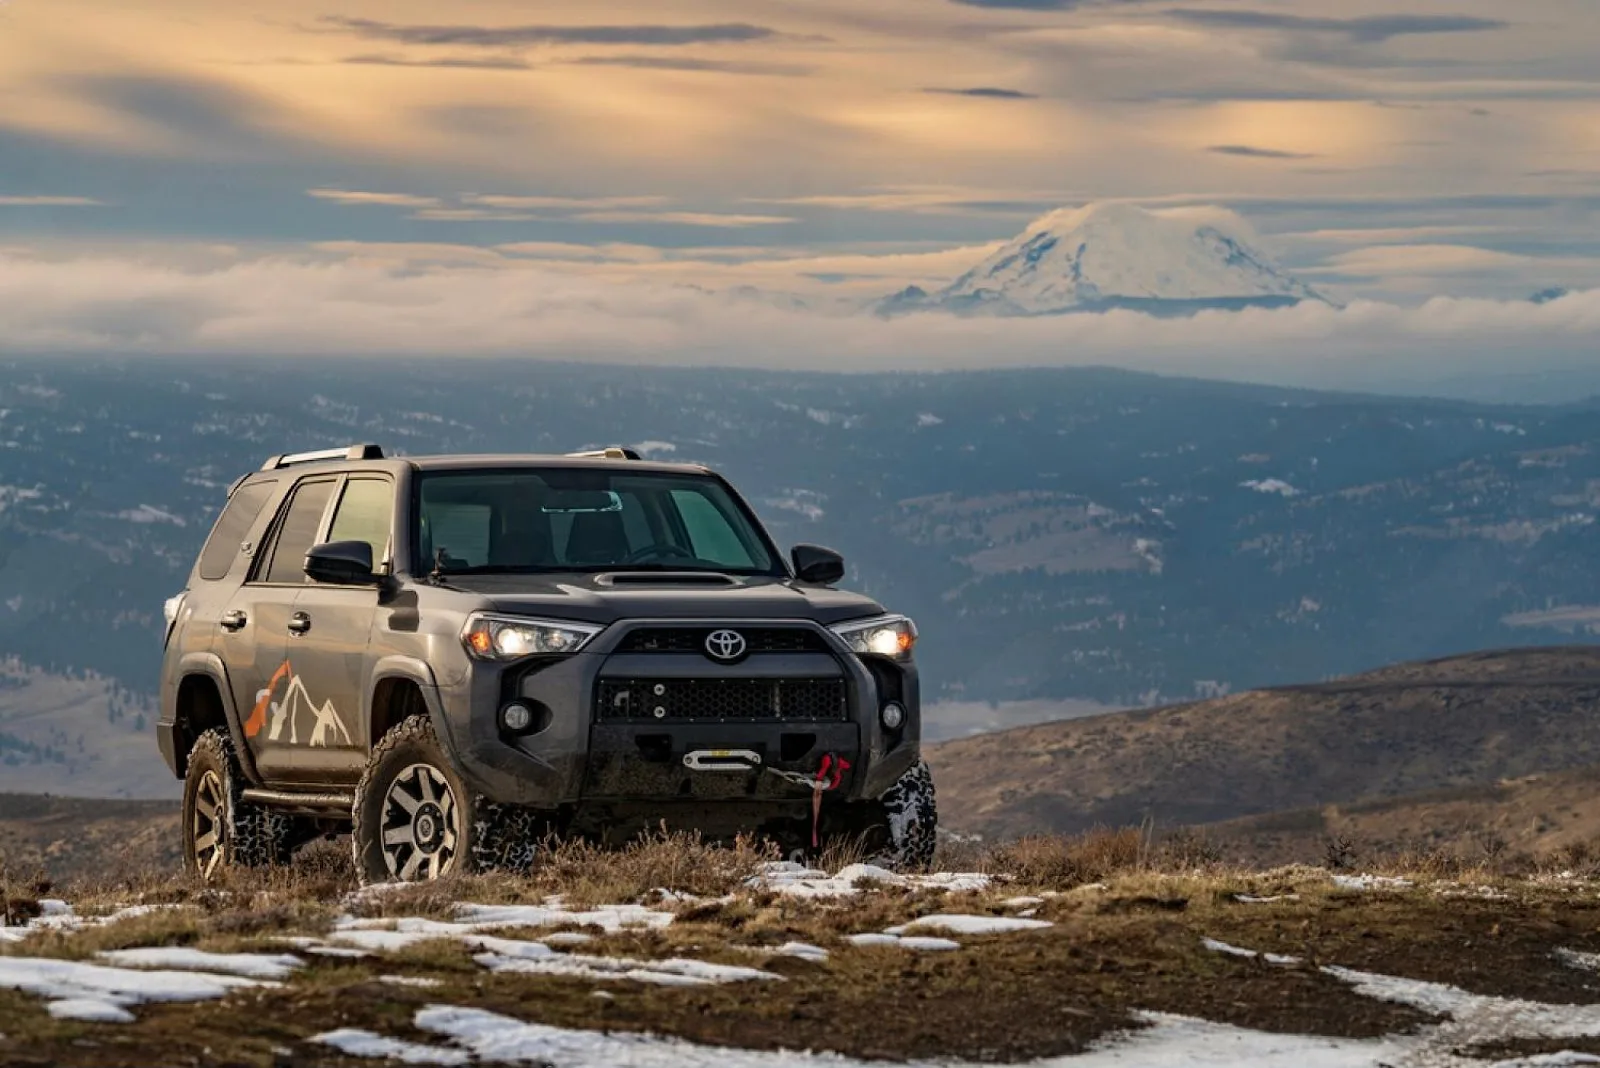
(341, 563)
(813, 563)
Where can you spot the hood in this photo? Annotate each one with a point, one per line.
(596, 599)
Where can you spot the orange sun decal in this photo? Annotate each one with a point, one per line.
(258, 715)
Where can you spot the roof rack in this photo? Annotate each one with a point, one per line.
(610, 452)
(349, 452)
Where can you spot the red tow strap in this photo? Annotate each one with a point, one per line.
(829, 775)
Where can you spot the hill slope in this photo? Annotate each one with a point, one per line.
(1460, 722)
(1556, 814)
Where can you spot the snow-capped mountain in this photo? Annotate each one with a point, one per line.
(1117, 256)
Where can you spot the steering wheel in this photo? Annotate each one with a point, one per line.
(659, 551)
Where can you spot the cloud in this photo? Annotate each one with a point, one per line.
(499, 200)
(1043, 5)
(315, 306)
(986, 91)
(14, 201)
(442, 62)
(1371, 29)
(472, 215)
(687, 63)
(683, 218)
(388, 200)
(1251, 152)
(515, 36)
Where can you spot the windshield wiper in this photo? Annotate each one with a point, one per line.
(500, 569)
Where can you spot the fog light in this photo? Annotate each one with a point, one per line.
(893, 715)
(516, 717)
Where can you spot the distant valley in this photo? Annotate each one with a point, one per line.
(1060, 535)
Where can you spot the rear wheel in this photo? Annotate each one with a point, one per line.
(221, 829)
(416, 820)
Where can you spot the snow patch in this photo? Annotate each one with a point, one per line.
(1234, 951)
(249, 965)
(803, 950)
(149, 513)
(90, 1010)
(1370, 882)
(797, 880)
(357, 1043)
(610, 919)
(78, 983)
(918, 942)
(956, 923)
(1271, 485)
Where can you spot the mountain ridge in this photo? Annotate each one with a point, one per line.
(1110, 256)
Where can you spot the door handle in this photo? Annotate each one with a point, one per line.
(233, 620)
(299, 623)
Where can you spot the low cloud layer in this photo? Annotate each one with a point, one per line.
(357, 306)
(1370, 29)
(512, 36)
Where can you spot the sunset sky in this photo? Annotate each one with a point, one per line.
(1384, 151)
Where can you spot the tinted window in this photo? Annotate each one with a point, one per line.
(232, 525)
(569, 519)
(712, 533)
(365, 509)
(298, 532)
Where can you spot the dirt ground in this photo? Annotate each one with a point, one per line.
(1127, 935)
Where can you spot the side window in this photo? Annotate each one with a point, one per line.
(234, 523)
(711, 536)
(297, 533)
(366, 509)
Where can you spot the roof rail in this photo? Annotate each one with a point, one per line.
(349, 452)
(610, 452)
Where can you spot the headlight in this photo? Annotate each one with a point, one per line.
(887, 636)
(511, 638)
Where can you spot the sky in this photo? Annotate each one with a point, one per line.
(606, 179)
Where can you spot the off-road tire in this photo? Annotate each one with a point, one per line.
(245, 834)
(477, 834)
(896, 831)
(912, 812)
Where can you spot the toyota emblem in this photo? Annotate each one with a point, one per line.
(726, 645)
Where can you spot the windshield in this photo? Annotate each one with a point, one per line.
(566, 519)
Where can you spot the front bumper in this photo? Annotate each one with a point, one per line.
(575, 758)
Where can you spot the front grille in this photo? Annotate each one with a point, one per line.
(693, 640)
(721, 700)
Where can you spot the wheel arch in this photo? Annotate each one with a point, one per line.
(402, 686)
(204, 701)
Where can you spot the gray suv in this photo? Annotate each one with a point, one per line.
(458, 656)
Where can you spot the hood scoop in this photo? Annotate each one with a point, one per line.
(664, 578)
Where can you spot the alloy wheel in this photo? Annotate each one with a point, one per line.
(210, 827)
(420, 813)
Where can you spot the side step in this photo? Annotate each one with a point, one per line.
(302, 803)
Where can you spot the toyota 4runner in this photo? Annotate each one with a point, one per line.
(458, 656)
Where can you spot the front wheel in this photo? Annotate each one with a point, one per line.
(416, 820)
(899, 831)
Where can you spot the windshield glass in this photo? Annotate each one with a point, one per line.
(566, 519)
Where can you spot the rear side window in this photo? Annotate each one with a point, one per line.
(365, 510)
(298, 532)
(232, 525)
